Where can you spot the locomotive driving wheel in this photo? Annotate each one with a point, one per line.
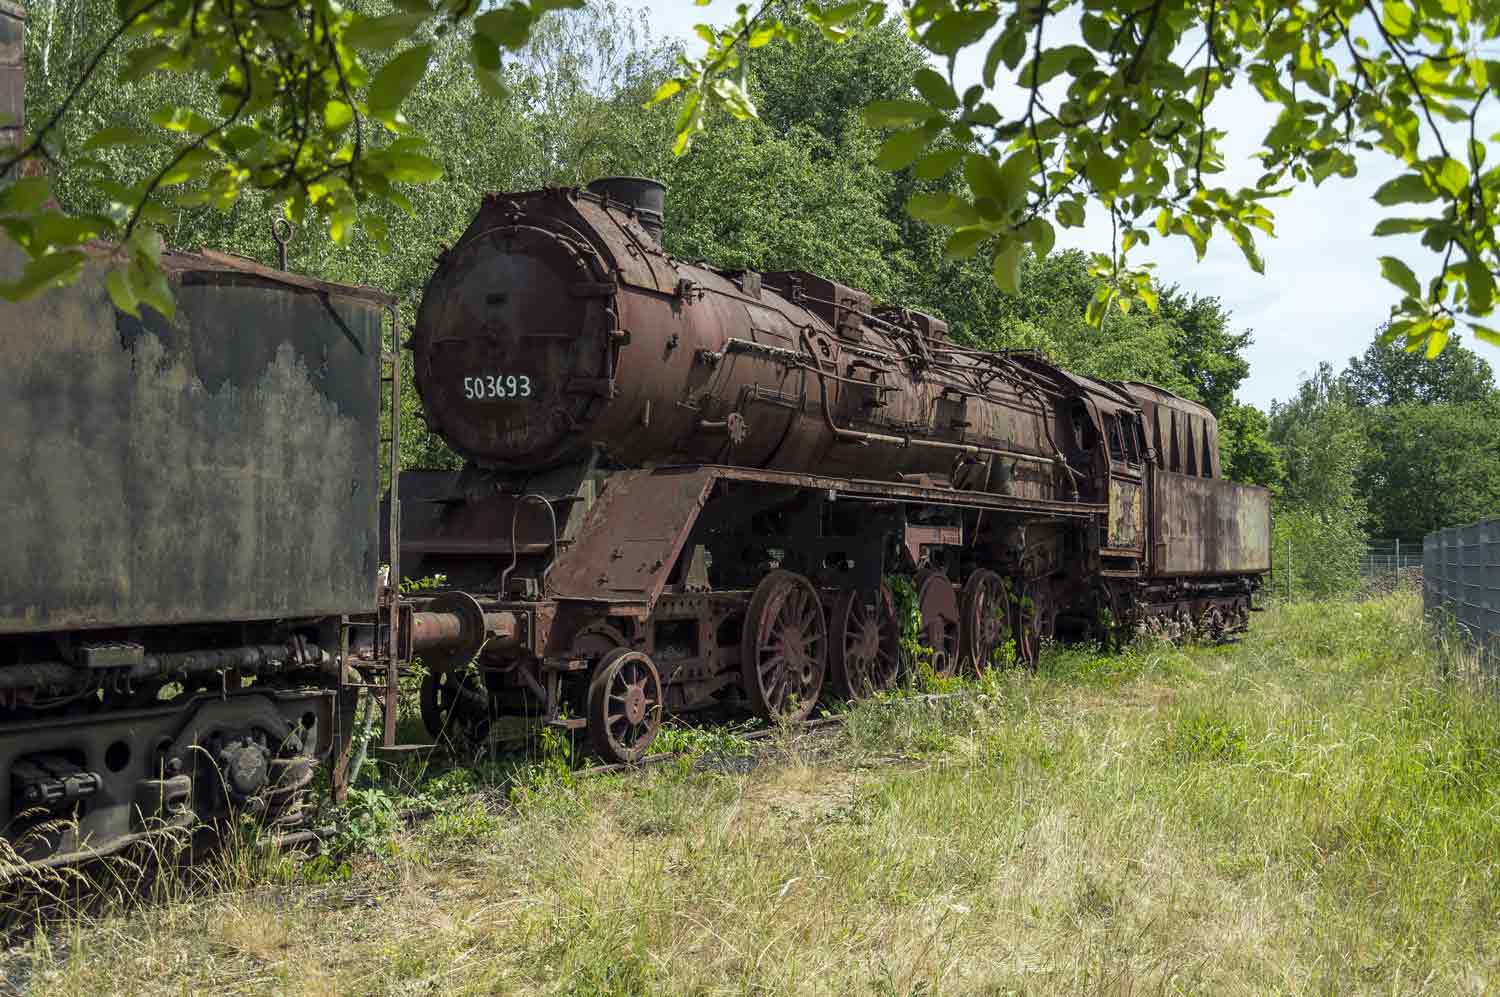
(1032, 619)
(625, 705)
(866, 650)
(938, 603)
(456, 707)
(986, 619)
(783, 654)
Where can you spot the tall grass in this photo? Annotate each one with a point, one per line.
(1312, 810)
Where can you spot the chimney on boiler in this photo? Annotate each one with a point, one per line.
(646, 197)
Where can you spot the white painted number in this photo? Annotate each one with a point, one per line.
(497, 386)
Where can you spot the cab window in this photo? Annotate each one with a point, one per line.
(1116, 443)
(1132, 446)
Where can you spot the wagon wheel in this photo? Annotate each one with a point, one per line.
(783, 654)
(1029, 618)
(986, 619)
(625, 705)
(456, 707)
(866, 649)
(938, 603)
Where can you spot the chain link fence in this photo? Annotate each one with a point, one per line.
(1389, 558)
(1461, 585)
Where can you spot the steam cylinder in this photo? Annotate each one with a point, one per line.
(558, 324)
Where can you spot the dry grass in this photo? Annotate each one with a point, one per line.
(1311, 811)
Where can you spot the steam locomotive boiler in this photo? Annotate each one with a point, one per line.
(689, 488)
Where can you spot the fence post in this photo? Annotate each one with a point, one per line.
(1288, 569)
(1396, 574)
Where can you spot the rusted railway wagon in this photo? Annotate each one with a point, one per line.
(690, 488)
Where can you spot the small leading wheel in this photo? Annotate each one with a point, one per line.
(456, 707)
(866, 650)
(938, 603)
(784, 651)
(625, 705)
(986, 619)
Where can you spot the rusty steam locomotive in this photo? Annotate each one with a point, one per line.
(689, 487)
(685, 488)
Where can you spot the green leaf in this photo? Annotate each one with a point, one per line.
(1397, 17)
(337, 115)
(151, 284)
(182, 119)
(965, 243)
(413, 167)
(382, 32)
(1097, 32)
(484, 53)
(398, 78)
(1400, 226)
(24, 196)
(1052, 62)
(1040, 234)
(763, 35)
(1246, 241)
(984, 177)
(1486, 334)
(1400, 274)
(1104, 172)
(1070, 214)
(1436, 340)
(1007, 267)
(122, 294)
(116, 135)
(666, 91)
(937, 164)
(957, 29)
(42, 272)
(937, 91)
(192, 163)
(142, 61)
(901, 149)
(896, 113)
(508, 27)
(1481, 286)
(1407, 188)
(942, 209)
(1452, 176)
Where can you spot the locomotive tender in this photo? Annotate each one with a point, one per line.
(688, 488)
(685, 489)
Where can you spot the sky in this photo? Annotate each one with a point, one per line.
(1321, 297)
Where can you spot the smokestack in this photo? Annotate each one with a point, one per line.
(648, 198)
(12, 72)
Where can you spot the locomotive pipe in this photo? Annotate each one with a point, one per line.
(254, 659)
(436, 630)
(858, 436)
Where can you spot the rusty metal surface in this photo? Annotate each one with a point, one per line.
(1206, 526)
(222, 467)
(211, 266)
(1127, 513)
(632, 536)
(12, 72)
(1183, 433)
(636, 529)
